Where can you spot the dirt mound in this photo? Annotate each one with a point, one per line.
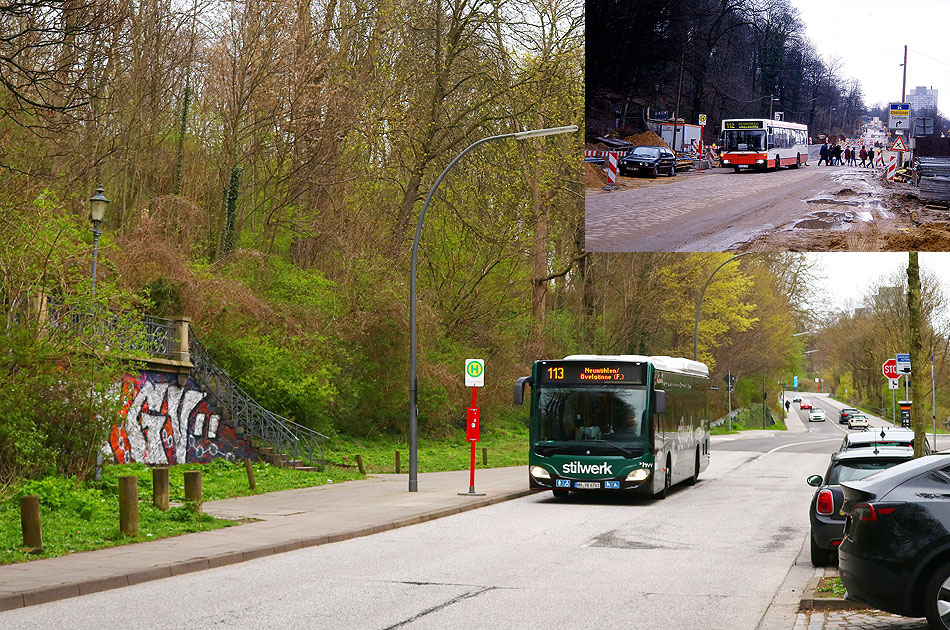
(926, 239)
(647, 138)
(595, 176)
(844, 192)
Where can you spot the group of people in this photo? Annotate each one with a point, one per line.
(831, 155)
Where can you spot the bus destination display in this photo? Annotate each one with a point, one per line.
(581, 372)
(743, 124)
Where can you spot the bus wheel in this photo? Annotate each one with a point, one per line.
(560, 493)
(798, 160)
(778, 162)
(692, 480)
(667, 478)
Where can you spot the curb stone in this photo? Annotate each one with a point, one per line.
(811, 602)
(11, 601)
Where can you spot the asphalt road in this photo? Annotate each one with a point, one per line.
(715, 211)
(711, 556)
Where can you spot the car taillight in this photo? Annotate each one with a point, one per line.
(869, 513)
(825, 504)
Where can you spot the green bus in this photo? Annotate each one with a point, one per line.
(625, 423)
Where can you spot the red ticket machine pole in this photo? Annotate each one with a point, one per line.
(471, 433)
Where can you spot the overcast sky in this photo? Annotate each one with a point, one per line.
(848, 276)
(868, 36)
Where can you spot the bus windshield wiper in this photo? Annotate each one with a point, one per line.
(551, 449)
(626, 452)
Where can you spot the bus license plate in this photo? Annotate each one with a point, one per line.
(587, 485)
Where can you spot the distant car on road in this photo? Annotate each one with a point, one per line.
(805, 404)
(650, 160)
(797, 399)
(886, 437)
(827, 520)
(895, 554)
(858, 421)
(847, 411)
(816, 415)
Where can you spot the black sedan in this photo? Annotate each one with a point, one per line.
(843, 416)
(827, 519)
(650, 160)
(896, 549)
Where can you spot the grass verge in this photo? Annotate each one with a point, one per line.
(830, 587)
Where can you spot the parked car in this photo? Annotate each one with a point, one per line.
(895, 554)
(816, 415)
(805, 404)
(847, 411)
(887, 437)
(827, 519)
(650, 160)
(858, 421)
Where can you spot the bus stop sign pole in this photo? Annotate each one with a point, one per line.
(474, 376)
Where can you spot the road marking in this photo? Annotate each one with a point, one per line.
(778, 448)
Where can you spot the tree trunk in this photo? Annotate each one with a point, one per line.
(916, 359)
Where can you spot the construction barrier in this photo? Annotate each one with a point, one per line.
(612, 157)
(891, 167)
(594, 153)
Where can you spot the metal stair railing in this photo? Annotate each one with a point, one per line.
(284, 435)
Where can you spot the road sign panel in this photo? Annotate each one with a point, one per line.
(893, 383)
(702, 120)
(899, 144)
(903, 363)
(795, 382)
(474, 372)
(899, 117)
(890, 369)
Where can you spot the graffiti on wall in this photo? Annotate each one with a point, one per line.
(162, 423)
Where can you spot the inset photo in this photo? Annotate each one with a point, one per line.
(751, 126)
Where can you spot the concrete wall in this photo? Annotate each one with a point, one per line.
(166, 419)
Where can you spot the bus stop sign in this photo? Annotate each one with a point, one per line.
(474, 372)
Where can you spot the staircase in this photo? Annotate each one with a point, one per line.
(279, 441)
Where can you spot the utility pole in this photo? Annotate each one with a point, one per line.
(729, 394)
(904, 84)
(679, 92)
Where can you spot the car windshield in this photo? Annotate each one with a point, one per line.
(854, 470)
(589, 414)
(744, 140)
(645, 152)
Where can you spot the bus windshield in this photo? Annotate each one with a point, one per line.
(744, 140)
(584, 414)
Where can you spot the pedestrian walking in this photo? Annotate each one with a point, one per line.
(854, 161)
(837, 155)
(864, 156)
(847, 156)
(871, 158)
(823, 154)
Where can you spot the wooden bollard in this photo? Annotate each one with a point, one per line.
(250, 474)
(30, 522)
(359, 464)
(160, 487)
(193, 488)
(484, 457)
(129, 505)
(398, 467)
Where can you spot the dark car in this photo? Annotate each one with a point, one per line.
(847, 411)
(895, 554)
(827, 520)
(650, 160)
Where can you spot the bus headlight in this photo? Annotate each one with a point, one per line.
(540, 473)
(638, 475)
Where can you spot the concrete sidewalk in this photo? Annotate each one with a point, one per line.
(273, 523)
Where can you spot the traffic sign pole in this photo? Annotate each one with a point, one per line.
(475, 377)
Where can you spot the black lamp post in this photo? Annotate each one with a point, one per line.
(97, 210)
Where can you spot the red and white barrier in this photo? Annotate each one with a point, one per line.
(612, 158)
(891, 167)
(594, 153)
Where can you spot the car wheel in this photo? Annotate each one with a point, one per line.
(653, 173)
(673, 171)
(560, 493)
(819, 557)
(937, 598)
(667, 478)
(692, 480)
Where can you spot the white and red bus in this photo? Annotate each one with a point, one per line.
(763, 144)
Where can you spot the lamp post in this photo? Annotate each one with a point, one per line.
(699, 306)
(520, 135)
(97, 210)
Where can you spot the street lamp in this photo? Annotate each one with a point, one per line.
(97, 210)
(520, 135)
(699, 306)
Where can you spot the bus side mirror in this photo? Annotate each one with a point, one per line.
(519, 388)
(659, 401)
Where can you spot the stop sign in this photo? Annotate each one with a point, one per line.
(890, 369)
